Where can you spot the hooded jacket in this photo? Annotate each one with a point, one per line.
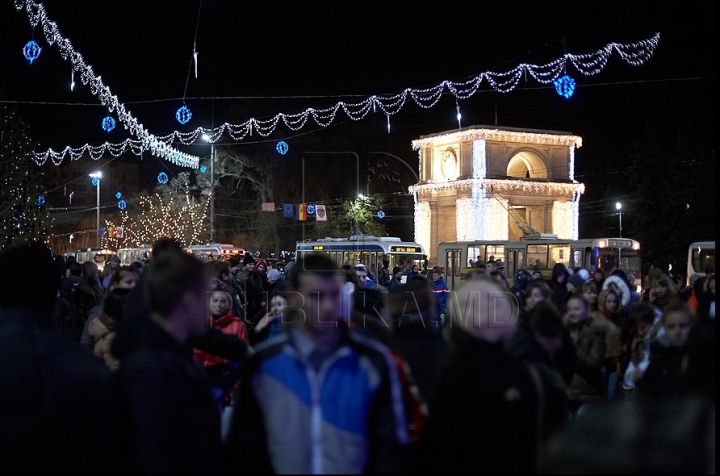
(560, 290)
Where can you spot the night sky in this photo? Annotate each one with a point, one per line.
(257, 59)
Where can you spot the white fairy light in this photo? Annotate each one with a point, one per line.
(635, 53)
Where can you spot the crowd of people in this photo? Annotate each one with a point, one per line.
(182, 366)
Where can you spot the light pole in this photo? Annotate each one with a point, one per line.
(618, 207)
(212, 188)
(96, 176)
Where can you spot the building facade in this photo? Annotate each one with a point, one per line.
(495, 183)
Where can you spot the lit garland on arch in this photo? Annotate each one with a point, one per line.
(156, 146)
(635, 53)
(502, 185)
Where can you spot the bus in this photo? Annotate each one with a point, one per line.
(701, 258)
(366, 249)
(99, 256)
(542, 252)
(216, 251)
(130, 255)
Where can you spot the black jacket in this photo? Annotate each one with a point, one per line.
(58, 411)
(171, 422)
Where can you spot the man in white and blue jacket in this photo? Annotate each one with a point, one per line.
(321, 397)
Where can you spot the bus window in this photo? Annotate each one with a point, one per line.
(560, 254)
(495, 252)
(537, 256)
(475, 253)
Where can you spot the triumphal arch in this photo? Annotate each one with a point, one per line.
(495, 183)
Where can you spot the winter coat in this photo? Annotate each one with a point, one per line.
(355, 397)
(665, 376)
(87, 296)
(65, 317)
(484, 416)
(555, 400)
(560, 290)
(423, 348)
(172, 424)
(228, 324)
(58, 407)
(588, 383)
(441, 296)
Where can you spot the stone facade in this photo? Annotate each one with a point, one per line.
(492, 183)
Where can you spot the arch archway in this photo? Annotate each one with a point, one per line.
(527, 164)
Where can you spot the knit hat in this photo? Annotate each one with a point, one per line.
(115, 258)
(396, 270)
(114, 302)
(273, 275)
(233, 262)
(576, 280)
(584, 273)
(248, 259)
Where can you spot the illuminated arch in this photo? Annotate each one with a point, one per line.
(527, 164)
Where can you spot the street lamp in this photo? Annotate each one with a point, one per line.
(96, 176)
(206, 138)
(618, 207)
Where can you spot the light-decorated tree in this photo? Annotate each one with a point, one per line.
(23, 215)
(176, 210)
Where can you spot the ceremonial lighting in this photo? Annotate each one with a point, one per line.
(157, 146)
(31, 51)
(282, 147)
(96, 176)
(108, 124)
(183, 115)
(618, 207)
(162, 178)
(565, 86)
(635, 54)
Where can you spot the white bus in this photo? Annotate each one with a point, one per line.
(370, 250)
(216, 251)
(701, 258)
(541, 252)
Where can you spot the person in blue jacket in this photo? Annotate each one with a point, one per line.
(441, 293)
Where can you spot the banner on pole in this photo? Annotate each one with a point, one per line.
(320, 213)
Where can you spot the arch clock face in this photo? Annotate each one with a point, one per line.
(449, 165)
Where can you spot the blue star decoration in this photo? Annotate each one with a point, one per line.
(162, 178)
(31, 51)
(122, 205)
(183, 114)
(118, 195)
(40, 201)
(381, 214)
(95, 181)
(282, 147)
(108, 124)
(565, 86)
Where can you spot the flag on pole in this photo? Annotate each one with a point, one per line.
(268, 206)
(301, 212)
(288, 210)
(102, 231)
(320, 213)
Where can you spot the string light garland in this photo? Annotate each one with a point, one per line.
(40, 201)
(162, 178)
(122, 204)
(381, 214)
(108, 124)
(635, 53)
(156, 146)
(31, 51)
